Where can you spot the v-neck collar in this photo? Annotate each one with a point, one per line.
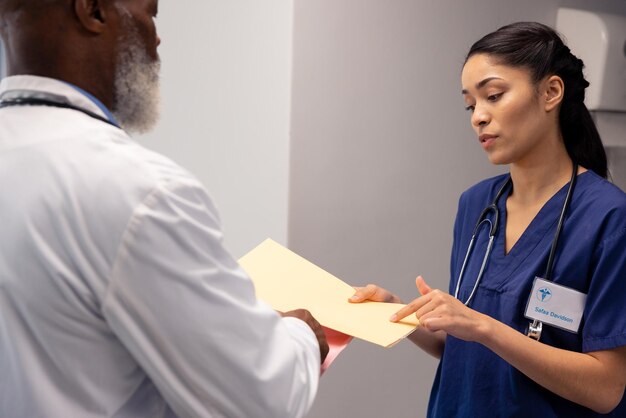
(503, 265)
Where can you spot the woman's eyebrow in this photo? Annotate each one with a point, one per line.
(481, 83)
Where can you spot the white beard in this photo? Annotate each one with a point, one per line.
(137, 94)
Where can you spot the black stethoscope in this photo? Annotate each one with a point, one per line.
(535, 327)
(35, 101)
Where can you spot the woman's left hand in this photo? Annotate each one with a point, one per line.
(594, 379)
(437, 310)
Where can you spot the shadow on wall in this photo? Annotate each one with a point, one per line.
(2, 65)
(617, 156)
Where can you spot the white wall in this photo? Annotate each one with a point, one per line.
(381, 146)
(226, 81)
(381, 150)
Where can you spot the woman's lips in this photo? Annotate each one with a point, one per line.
(486, 140)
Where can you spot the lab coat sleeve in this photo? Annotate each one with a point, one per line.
(188, 314)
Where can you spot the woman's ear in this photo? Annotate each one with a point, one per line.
(91, 14)
(553, 91)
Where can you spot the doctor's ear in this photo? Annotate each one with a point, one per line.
(91, 14)
(552, 92)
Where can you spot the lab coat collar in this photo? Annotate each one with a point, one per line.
(31, 86)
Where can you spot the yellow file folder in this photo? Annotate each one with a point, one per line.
(287, 281)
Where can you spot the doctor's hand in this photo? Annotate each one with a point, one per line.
(439, 311)
(373, 293)
(304, 315)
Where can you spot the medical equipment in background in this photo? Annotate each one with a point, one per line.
(599, 39)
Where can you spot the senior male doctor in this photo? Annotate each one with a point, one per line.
(117, 298)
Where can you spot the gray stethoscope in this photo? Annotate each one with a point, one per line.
(535, 327)
(52, 101)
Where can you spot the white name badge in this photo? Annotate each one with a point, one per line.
(556, 305)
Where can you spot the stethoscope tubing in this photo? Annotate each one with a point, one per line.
(483, 265)
(493, 230)
(535, 327)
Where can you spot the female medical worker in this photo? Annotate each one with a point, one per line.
(525, 90)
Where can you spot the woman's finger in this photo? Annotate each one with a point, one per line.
(373, 293)
(422, 287)
(363, 293)
(433, 323)
(409, 309)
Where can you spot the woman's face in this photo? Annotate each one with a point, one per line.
(507, 112)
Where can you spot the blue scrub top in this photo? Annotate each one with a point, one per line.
(471, 380)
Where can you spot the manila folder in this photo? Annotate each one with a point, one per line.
(287, 281)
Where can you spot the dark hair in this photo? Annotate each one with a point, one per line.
(541, 50)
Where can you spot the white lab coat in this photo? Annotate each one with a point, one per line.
(117, 297)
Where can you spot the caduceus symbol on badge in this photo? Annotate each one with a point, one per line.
(545, 293)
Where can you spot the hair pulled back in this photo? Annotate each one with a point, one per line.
(541, 50)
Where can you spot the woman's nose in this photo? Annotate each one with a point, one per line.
(480, 117)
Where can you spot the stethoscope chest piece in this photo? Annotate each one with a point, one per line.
(534, 330)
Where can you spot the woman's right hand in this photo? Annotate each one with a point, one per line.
(373, 293)
(430, 342)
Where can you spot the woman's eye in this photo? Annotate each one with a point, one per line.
(494, 97)
(469, 108)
